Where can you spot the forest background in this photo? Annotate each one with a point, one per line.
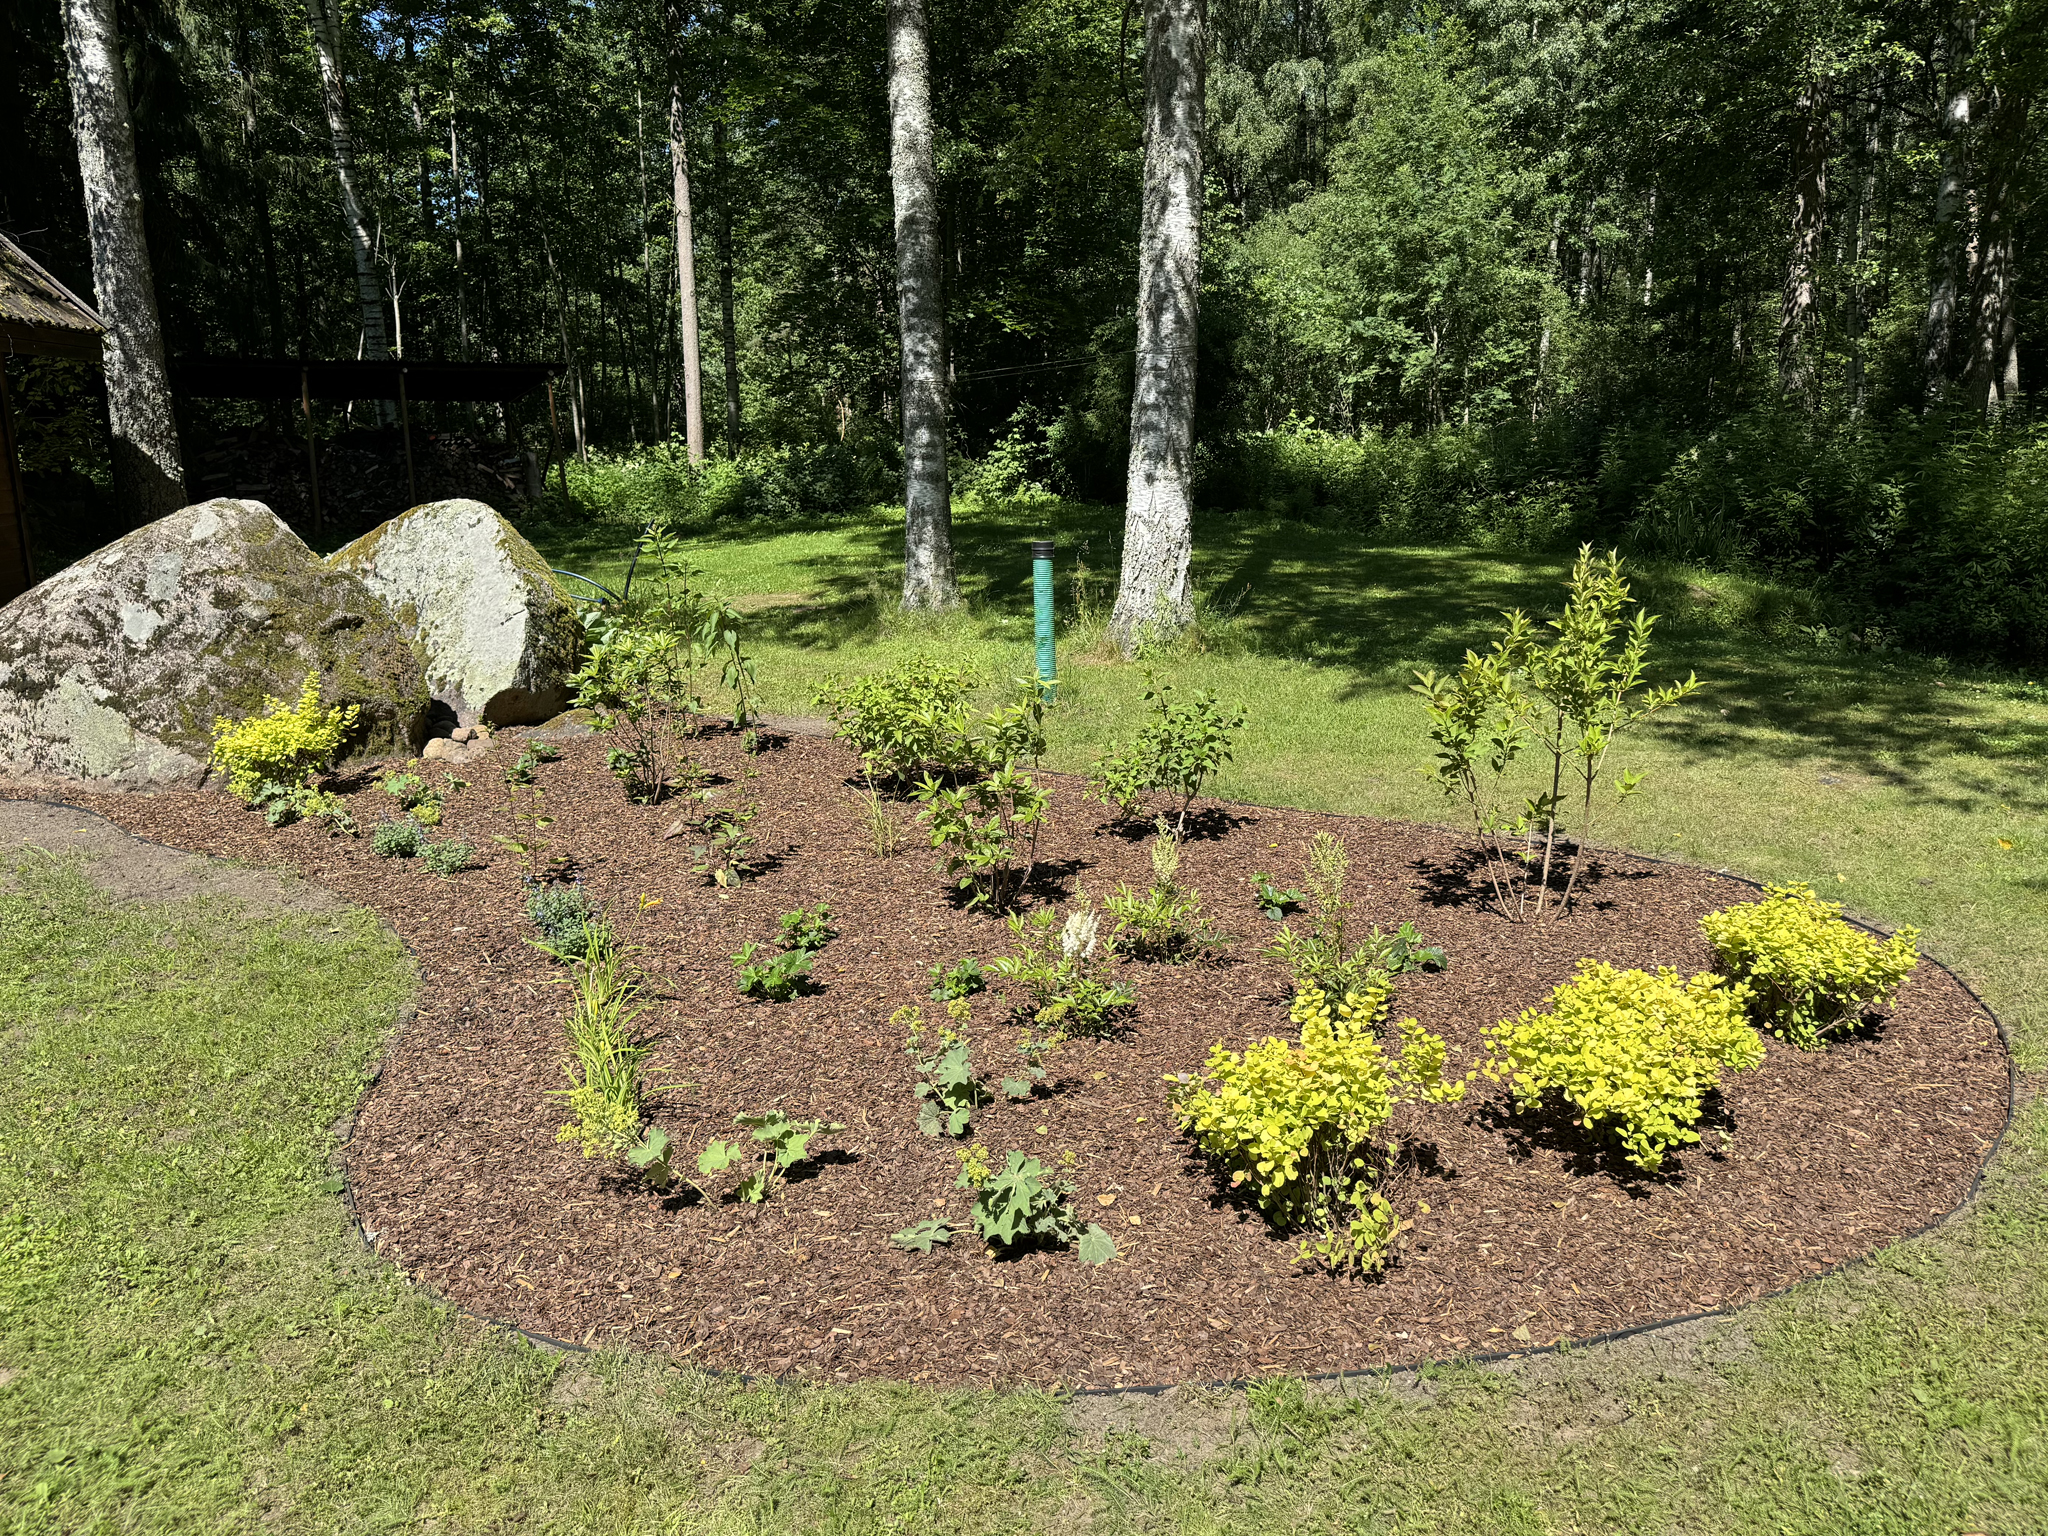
(1748, 285)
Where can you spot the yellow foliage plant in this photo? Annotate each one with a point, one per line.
(1808, 971)
(1295, 1121)
(283, 744)
(1629, 1050)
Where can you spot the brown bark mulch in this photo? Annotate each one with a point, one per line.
(1533, 1231)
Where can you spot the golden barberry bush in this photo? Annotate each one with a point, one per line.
(1808, 971)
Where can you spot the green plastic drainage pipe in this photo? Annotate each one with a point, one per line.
(1041, 602)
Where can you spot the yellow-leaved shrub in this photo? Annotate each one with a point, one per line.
(284, 743)
(1294, 1121)
(1807, 970)
(1629, 1050)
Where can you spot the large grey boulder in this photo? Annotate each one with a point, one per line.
(115, 668)
(496, 635)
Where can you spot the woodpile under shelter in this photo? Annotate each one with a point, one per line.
(39, 317)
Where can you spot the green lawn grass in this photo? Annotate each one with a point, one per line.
(190, 1338)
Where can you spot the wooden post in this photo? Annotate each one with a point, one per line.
(17, 562)
(312, 447)
(555, 441)
(412, 490)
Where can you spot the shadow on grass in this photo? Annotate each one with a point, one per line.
(1381, 612)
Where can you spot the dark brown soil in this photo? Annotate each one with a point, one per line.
(1532, 1231)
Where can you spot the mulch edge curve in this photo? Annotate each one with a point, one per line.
(409, 1010)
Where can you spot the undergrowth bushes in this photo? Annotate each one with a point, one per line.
(1295, 1121)
(1629, 1051)
(1807, 971)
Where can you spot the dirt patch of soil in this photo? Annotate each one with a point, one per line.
(1534, 1232)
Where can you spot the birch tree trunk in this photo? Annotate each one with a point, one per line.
(686, 280)
(1809, 208)
(1152, 594)
(149, 476)
(928, 579)
(1992, 377)
(1937, 331)
(325, 16)
(728, 330)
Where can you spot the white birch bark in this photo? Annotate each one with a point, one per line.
(1992, 371)
(325, 16)
(149, 476)
(928, 577)
(1937, 332)
(1152, 594)
(686, 280)
(1809, 206)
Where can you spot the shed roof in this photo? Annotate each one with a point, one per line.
(39, 315)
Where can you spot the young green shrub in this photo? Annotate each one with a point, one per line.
(400, 839)
(415, 796)
(726, 856)
(1572, 697)
(1809, 972)
(447, 857)
(1174, 755)
(782, 1143)
(1274, 901)
(808, 928)
(1295, 1121)
(1165, 923)
(1628, 1050)
(962, 979)
(772, 976)
(912, 718)
(978, 830)
(1323, 953)
(1022, 1205)
(653, 654)
(572, 926)
(947, 1091)
(268, 757)
(1062, 965)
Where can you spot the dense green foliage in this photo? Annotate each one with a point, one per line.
(1807, 971)
(1490, 270)
(1633, 1053)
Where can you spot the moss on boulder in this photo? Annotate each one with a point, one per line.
(115, 668)
(497, 637)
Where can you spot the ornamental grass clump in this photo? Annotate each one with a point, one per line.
(1808, 971)
(1297, 1123)
(1629, 1051)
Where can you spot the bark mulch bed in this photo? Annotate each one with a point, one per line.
(1533, 1232)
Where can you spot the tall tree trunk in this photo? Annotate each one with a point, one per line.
(686, 279)
(149, 475)
(1152, 595)
(455, 232)
(928, 579)
(1992, 376)
(326, 19)
(728, 329)
(1859, 288)
(1937, 331)
(1809, 211)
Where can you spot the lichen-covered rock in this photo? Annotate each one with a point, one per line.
(495, 633)
(115, 668)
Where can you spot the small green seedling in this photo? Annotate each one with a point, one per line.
(783, 1144)
(1274, 903)
(776, 979)
(919, 1239)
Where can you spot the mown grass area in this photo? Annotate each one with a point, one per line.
(190, 1339)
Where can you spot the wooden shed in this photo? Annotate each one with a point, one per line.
(39, 317)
